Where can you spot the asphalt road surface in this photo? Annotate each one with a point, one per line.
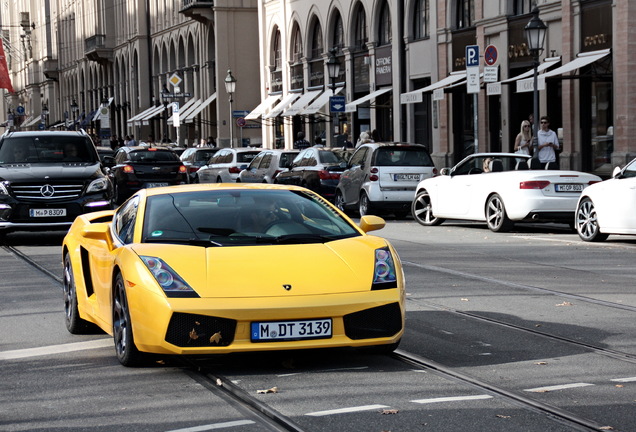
(531, 330)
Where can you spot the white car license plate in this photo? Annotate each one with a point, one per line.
(291, 330)
(49, 212)
(154, 185)
(406, 177)
(568, 187)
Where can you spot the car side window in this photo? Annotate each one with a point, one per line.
(298, 159)
(358, 157)
(255, 162)
(125, 220)
(312, 159)
(266, 161)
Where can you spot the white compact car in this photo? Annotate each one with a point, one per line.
(381, 178)
(500, 189)
(608, 207)
(226, 165)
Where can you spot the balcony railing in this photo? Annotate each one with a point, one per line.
(95, 49)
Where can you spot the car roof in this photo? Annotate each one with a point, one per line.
(45, 132)
(216, 186)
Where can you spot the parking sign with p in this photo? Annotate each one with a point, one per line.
(472, 56)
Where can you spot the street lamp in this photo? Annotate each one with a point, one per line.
(535, 35)
(74, 110)
(333, 69)
(230, 88)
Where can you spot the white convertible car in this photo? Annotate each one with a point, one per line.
(608, 207)
(499, 189)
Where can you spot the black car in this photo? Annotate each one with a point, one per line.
(145, 167)
(317, 168)
(49, 178)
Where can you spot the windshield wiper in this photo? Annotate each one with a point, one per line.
(301, 239)
(189, 241)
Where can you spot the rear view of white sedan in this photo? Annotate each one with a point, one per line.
(608, 207)
(499, 189)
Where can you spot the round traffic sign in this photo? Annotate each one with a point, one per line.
(490, 55)
(241, 122)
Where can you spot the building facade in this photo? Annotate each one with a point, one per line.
(116, 67)
(403, 74)
(120, 68)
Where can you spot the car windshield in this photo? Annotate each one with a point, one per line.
(204, 156)
(152, 155)
(402, 156)
(47, 149)
(330, 157)
(241, 218)
(491, 163)
(246, 157)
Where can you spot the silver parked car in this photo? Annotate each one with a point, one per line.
(382, 177)
(225, 165)
(267, 165)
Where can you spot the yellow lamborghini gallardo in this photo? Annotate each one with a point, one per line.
(222, 268)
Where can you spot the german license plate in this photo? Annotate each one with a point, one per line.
(406, 177)
(574, 187)
(154, 185)
(48, 212)
(291, 330)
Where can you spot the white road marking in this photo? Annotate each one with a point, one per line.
(451, 399)
(346, 410)
(55, 349)
(630, 379)
(558, 387)
(214, 426)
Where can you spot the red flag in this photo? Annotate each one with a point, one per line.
(5, 81)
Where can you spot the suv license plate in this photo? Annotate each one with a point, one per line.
(568, 187)
(406, 177)
(154, 185)
(49, 212)
(291, 330)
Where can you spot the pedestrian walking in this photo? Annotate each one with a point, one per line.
(548, 144)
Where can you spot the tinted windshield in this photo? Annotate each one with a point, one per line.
(402, 156)
(327, 156)
(242, 217)
(246, 157)
(47, 149)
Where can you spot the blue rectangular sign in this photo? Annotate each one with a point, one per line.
(472, 56)
(336, 104)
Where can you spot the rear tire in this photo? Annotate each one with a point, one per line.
(74, 324)
(496, 216)
(586, 222)
(364, 205)
(422, 210)
(339, 202)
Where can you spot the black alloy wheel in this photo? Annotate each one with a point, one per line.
(127, 352)
(74, 324)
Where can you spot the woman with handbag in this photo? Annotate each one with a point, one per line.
(523, 141)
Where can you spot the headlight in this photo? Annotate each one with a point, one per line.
(4, 188)
(99, 185)
(169, 281)
(384, 275)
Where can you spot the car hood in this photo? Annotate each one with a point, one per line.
(29, 172)
(342, 266)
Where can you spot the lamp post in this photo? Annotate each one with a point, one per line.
(535, 35)
(333, 69)
(74, 110)
(230, 88)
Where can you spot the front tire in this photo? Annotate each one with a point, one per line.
(74, 324)
(586, 222)
(127, 352)
(339, 202)
(422, 210)
(496, 215)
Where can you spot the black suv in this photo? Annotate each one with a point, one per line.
(49, 178)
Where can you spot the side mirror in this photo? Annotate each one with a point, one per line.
(371, 223)
(445, 171)
(616, 172)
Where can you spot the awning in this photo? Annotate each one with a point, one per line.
(193, 113)
(259, 110)
(158, 110)
(26, 120)
(351, 106)
(547, 63)
(280, 107)
(301, 103)
(136, 117)
(184, 113)
(415, 96)
(320, 102)
(32, 122)
(582, 59)
(183, 109)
